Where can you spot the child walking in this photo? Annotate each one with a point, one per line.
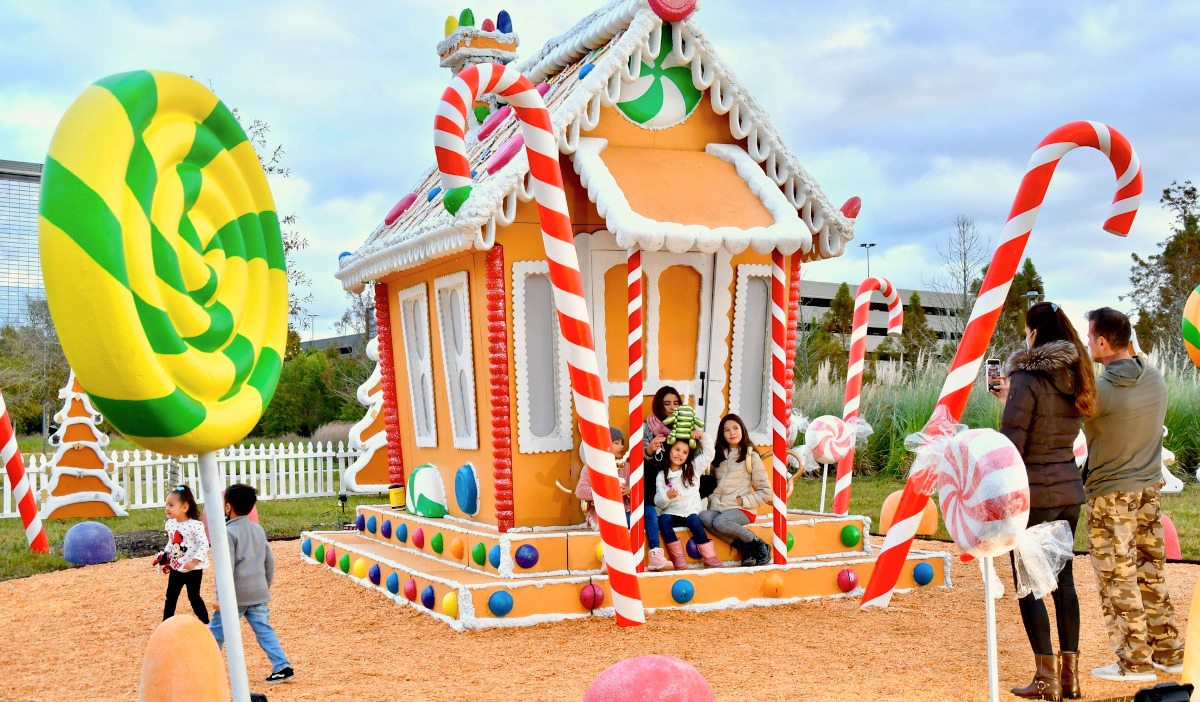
(253, 573)
(186, 555)
(677, 497)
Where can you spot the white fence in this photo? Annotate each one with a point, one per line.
(280, 471)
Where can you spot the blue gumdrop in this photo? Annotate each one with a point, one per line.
(393, 584)
(494, 556)
(923, 573)
(466, 489)
(527, 556)
(344, 254)
(587, 68)
(371, 524)
(88, 543)
(402, 533)
(500, 603)
(682, 591)
(504, 22)
(306, 547)
(692, 550)
(385, 529)
(432, 194)
(360, 522)
(474, 173)
(427, 597)
(374, 573)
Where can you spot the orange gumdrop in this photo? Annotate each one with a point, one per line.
(887, 515)
(183, 664)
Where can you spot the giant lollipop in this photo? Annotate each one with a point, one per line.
(830, 440)
(156, 218)
(1191, 325)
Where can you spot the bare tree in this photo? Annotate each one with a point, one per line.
(963, 257)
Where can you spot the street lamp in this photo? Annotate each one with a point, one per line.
(1031, 298)
(312, 331)
(868, 247)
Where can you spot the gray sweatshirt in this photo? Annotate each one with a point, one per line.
(1125, 438)
(253, 562)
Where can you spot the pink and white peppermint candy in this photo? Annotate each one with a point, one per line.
(1079, 448)
(829, 438)
(984, 492)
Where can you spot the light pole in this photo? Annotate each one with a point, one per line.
(1031, 298)
(868, 247)
(312, 331)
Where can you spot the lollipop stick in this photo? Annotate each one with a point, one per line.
(990, 609)
(824, 478)
(211, 485)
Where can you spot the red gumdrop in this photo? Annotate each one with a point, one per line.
(505, 153)
(410, 589)
(399, 208)
(673, 10)
(488, 25)
(852, 207)
(659, 678)
(330, 557)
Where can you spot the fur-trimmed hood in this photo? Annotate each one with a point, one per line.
(1052, 360)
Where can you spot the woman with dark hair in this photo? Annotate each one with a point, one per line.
(1049, 388)
(654, 436)
(742, 486)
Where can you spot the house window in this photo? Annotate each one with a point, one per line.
(543, 386)
(749, 390)
(454, 326)
(414, 326)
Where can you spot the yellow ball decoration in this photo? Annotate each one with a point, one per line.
(600, 551)
(359, 569)
(450, 605)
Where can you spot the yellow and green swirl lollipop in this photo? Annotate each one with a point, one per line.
(163, 261)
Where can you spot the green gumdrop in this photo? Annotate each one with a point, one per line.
(481, 113)
(478, 554)
(467, 18)
(436, 543)
(454, 198)
(344, 563)
(319, 554)
(851, 535)
(791, 541)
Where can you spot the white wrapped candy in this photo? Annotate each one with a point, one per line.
(984, 492)
(829, 438)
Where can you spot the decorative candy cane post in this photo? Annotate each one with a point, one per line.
(637, 473)
(991, 298)
(542, 151)
(35, 534)
(854, 373)
(779, 408)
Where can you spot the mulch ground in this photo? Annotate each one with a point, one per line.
(80, 635)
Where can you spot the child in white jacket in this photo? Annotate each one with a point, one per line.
(677, 498)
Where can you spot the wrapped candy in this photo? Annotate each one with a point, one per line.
(984, 492)
(829, 438)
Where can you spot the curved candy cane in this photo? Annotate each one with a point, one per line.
(35, 534)
(573, 322)
(986, 311)
(854, 372)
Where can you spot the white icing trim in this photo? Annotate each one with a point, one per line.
(760, 435)
(467, 436)
(424, 367)
(373, 401)
(473, 32)
(527, 442)
(714, 407)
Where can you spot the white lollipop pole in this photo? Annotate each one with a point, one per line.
(824, 479)
(990, 610)
(222, 563)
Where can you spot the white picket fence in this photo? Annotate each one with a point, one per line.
(280, 471)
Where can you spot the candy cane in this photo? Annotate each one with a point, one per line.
(575, 327)
(854, 372)
(780, 410)
(982, 323)
(22, 492)
(637, 508)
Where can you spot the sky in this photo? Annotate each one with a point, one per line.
(924, 110)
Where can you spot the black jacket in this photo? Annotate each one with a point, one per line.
(1041, 419)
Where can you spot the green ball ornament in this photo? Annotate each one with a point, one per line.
(344, 563)
(851, 535)
(481, 113)
(436, 543)
(478, 554)
(455, 197)
(319, 554)
(791, 541)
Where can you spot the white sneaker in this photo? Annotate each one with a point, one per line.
(1169, 669)
(1115, 673)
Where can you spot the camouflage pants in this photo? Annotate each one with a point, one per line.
(1125, 538)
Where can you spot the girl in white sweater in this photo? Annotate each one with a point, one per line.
(677, 497)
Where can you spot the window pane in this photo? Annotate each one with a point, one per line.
(540, 333)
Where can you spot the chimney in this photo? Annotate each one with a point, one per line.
(467, 45)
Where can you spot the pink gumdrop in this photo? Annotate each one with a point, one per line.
(493, 120)
(505, 153)
(543, 88)
(852, 207)
(847, 579)
(673, 10)
(591, 596)
(410, 589)
(1171, 537)
(488, 25)
(658, 678)
(394, 214)
(418, 538)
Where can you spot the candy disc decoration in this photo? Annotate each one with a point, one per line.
(829, 438)
(163, 261)
(984, 492)
(664, 94)
(1191, 325)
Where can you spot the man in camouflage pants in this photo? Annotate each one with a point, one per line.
(1123, 483)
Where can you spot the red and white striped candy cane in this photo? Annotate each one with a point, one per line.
(574, 324)
(779, 407)
(637, 507)
(22, 492)
(854, 372)
(978, 333)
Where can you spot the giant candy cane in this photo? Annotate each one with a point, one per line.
(854, 372)
(19, 479)
(982, 323)
(637, 490)
(542, 151)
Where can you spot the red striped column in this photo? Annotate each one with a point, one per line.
(387, 375)
(779, 409)
(497, 333)
(22, 491)
(637, 474)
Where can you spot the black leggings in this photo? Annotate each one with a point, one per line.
(175, 582)
(1066, 602)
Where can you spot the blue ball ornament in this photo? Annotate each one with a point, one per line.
(427, 597)
(402, 533)
(683, 591)
(923, 573)
(500, 603)
(306, 547)
(88, 543)
(373, 574)
(527, 556)
(371, 524)
(466, 489)
(432, 194)
(494, 556)
(393, 584)
(360, 522)
(692, 550)
(344, 254)
(385, 529)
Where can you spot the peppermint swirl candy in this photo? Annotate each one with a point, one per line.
(829, 438)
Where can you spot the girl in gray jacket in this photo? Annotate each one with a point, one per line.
(742, 487)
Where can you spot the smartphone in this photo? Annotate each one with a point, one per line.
(993, 374)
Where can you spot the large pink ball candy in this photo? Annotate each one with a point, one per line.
(984, 492)
(828, 437)
(649, 679)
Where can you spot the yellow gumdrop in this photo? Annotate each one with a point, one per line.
(451, 24)
(359, 569)
(450, 605)
(600, 551)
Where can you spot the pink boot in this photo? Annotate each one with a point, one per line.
(657, 560)
(708, 551)
(675, 549)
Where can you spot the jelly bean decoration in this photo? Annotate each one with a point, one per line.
(319, 556)
(393, 583)
(600, 551)
(456, 548)
(306, 547)
(436, 542)
(410, 590)
(344, 563)
(360, 523)
(419, 537)
(527, 556)
(427, 597)
(683, 591)
(591, 596)
(543, 88)
(500, 603)
(923, 574)
(479, 554)
(494, 556)
(791, 541)
(847, 579)
(691, 549)
(372, 524)
(851, 536)
(399, 208)
(385, 529)
(359, 569)
(773, 585)
(432, 194)
(587, 68)
(402, 533)
(489, 125)
(450, 605)
(373, 574)
(466, 18)
(504, 22)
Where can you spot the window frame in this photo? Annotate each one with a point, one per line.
(419, 293)
(562, 439)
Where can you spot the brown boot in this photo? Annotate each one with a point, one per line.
(1045, 685)
(1068, 673)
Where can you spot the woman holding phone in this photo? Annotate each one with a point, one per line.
(1050, 387)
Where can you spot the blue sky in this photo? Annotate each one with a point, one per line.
(924, 110)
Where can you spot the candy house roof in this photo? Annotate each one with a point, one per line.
(587, 68)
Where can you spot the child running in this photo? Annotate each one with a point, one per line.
(186, 554)
(677, 497)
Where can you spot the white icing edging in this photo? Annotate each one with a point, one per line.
(373, 401)
(527, 442)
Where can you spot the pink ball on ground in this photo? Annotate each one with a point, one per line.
(650, 679)
(1171, 537)
(591, 596)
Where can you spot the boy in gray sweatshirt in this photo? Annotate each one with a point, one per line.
(253, 572)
